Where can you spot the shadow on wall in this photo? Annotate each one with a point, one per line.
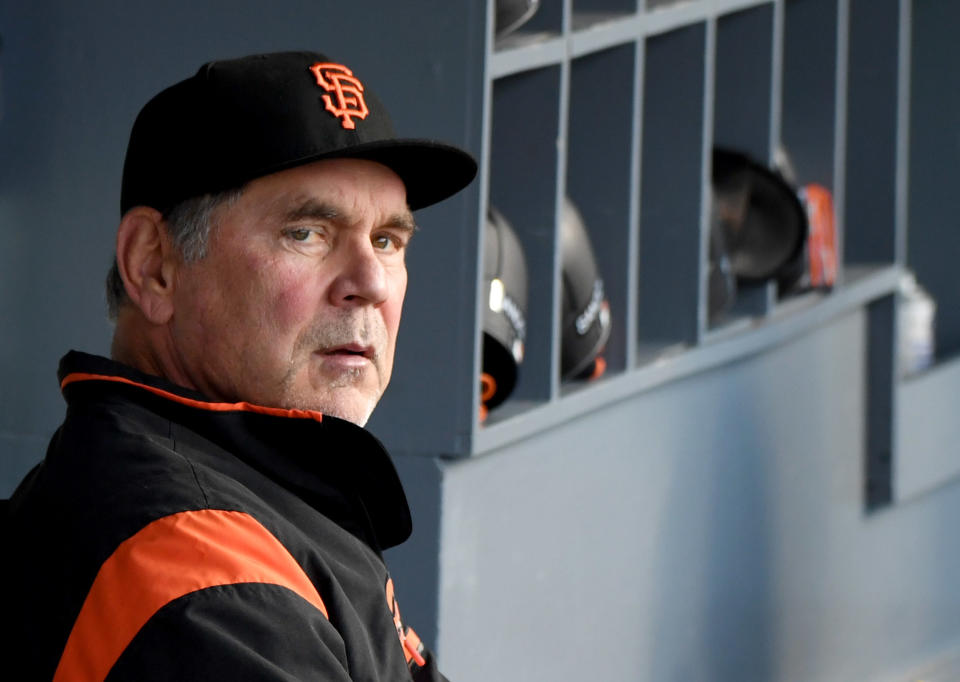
(762, 566)
(712, 567)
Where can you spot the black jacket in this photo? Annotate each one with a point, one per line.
(168, 537)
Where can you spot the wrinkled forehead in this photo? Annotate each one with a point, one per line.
(345, 191)
(347, 183)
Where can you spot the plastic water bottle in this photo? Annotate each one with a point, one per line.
(915, 322)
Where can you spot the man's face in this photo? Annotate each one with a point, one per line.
(298, 301)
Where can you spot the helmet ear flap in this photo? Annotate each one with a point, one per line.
(505, 310)
(585, 324)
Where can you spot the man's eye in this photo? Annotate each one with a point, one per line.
(300, 234)
(385, 242)
(305, 235)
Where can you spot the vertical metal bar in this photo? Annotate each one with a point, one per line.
(633, 240)
(483, 178)
(776, 111)
(561, 185)
(776, 79)
(840, 126)
(706, 163)
(904, 47)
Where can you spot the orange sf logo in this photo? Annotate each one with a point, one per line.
(412, 647)
(347, 102)
(394, 608)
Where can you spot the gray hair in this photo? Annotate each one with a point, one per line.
(188, 223)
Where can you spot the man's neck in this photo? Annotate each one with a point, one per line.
(143, 346)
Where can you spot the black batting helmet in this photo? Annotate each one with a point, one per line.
(505, 309)
(585, 323)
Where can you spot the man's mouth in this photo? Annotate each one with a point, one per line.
(350, 350)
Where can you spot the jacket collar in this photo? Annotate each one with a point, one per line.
(305, 451)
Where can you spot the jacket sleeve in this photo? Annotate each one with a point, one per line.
(199, 594)
(247, 631)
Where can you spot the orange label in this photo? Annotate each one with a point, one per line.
(345, 99)
(822, 238)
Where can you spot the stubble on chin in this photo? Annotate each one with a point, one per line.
(342, 397)
(306, 387)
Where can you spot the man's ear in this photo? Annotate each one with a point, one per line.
(147, 262)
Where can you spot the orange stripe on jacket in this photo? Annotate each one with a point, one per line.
(167, 559)
(201, 404)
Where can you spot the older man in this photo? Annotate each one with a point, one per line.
(211, 507)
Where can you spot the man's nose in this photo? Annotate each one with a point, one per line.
(361, 277)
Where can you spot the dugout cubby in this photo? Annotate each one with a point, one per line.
(600, 168)
(926, 427)
(809, 110)
(618, 105)
(523, 187)
(873, 227)
(932, 240)
(672, 189)
(591, 13)
(547, 21)
(744, 119)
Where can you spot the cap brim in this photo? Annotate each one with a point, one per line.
(431, 171)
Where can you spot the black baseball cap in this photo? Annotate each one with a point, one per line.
(241, 119)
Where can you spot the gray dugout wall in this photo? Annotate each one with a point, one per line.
(762, 499)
